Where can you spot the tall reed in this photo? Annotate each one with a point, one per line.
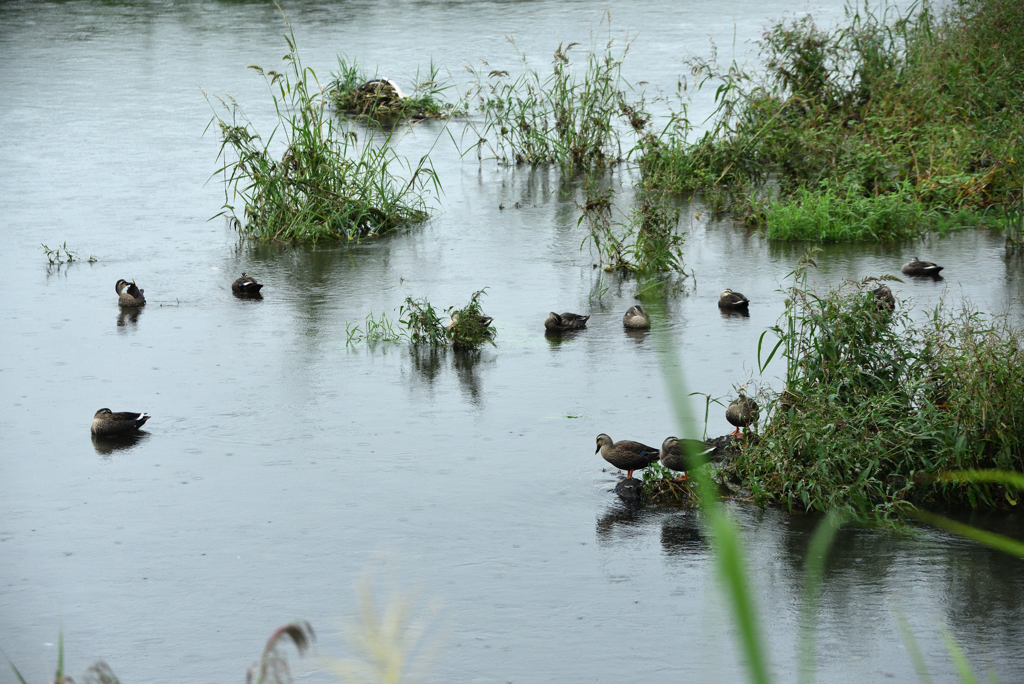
(325, 185)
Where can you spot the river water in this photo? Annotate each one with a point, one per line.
(281, 465)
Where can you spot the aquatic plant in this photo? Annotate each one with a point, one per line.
(918, 107)
(325, 186)
(647, 242)
(875, 406)
(62, 255)
(468, 327)
(349, 96)
(737, 578)
(419, 322)
(373, 330)
(569, 118)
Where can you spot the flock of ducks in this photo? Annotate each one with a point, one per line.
(635, 318)
(107, 423)
(629, 456)
(625, 455)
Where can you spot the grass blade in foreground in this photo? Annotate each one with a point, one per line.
(814, 568)
(728, 545)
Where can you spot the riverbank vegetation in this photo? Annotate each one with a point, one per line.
(916, 118)
(878, 405)
(321, 183)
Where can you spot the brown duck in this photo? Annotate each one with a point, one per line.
(636, 318)
(626, 455)
(129, 294)
(106, 423)
(732, 300)
(672, 457)
(246, 285)
(742, 412)
(916, 267)
(563, 322)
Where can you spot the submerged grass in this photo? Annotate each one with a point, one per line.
(916, 105)
(325, 186)
(647, 242)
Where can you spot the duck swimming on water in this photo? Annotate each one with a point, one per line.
(916, 267)
(246, 285)
(129, 294)
(636, 318)
(563, 322)
(106, 423)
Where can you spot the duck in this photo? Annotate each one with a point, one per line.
(742, 412)
(672, 457)
(636, 318)
(626, 455)
(916, 267)
(246, 285)
(106, 423)
(129, 294)
(732, 300)
(885, 300)
(565, 321)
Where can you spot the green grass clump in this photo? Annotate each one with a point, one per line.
(419, 322)
(876, 407)
(826, 215)
(569, 117)
(923, 104)
(648, 241)
(351, 93)
(325, 186)
(468, 327)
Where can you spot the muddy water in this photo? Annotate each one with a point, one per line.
(280, 464)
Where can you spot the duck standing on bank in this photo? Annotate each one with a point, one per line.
(246, 286)
(565, 322)
(106, 423)
(129, 294)
(672, 457)
(916, 267)
(636, 318)
(626, 455)
(733, 301)
(742, 413)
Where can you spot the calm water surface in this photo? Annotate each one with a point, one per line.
(280, 464)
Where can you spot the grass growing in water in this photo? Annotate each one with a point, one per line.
(888, 104)
(419, 322)
(648, 242)
(350, 95)
(876, 406)
(325, 186)
(566, 118)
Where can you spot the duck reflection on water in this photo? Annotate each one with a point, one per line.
(106, 446)
(681, 535)
(128, 317)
